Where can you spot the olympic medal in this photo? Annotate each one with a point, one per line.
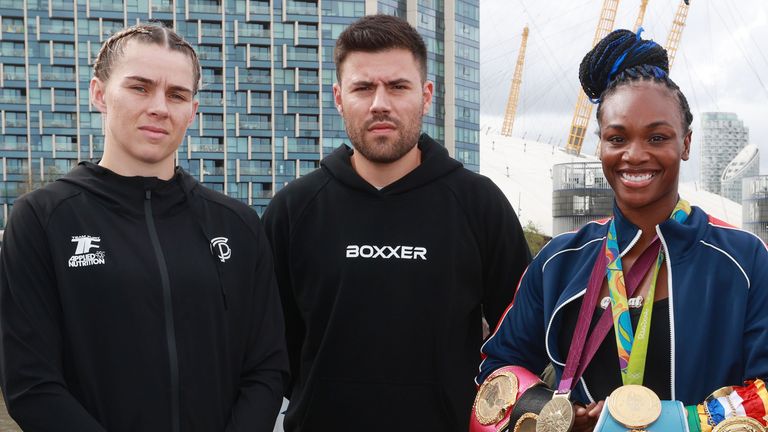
(495, 397)
(739, 424)
(634, 406)
(556, 416)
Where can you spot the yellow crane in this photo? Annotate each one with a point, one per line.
(676, 32)
(583, 107)
(514, 91)
(641, 14)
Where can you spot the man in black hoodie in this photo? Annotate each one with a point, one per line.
(388, 257)
(131, 297)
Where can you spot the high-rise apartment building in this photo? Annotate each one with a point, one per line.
(723, 137)
(266, 107)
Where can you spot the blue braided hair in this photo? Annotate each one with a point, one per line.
(623, 57)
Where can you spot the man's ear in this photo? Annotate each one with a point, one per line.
(428, 90)
(337, 97)
(97, 88)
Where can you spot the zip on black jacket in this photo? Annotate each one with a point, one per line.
(137, 304)
(383, 291)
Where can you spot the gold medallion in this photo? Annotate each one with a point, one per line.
(556, 416)
(526, 423)
(495, 397)
(739, 424)
(634, 406)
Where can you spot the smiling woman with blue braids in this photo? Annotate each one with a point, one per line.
(660, 297)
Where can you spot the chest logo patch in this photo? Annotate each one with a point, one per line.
(387, 252)
(84, 252)
(220, 248)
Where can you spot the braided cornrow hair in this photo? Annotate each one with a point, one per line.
(152, 33)
(623, 57)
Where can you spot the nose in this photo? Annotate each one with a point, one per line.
(158, 104)
(380, 103)
(635, 152)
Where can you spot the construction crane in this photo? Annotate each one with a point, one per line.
(641, 14)
(514, 91)
(583, 106)
(676, 32)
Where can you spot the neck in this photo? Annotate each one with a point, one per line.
(646, 218)
(380, 175)
(132, 168)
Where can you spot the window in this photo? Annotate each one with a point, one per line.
(13, 72)
(57, 26)
(308, 76)
(212, 76)
(255, 76)
(13, 25)
(260, 52)
(307, 30)
(253, 29)
(15, 119)
(210, 29)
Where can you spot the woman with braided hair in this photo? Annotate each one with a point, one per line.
(661, 294)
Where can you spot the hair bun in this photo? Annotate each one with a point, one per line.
(621, 50)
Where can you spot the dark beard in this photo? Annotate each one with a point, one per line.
(382, 150)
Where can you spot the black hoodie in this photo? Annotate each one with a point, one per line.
(136, 304)
(383, 291)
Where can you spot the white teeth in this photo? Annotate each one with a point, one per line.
(636, 177)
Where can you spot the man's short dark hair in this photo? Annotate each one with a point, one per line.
(376, 33)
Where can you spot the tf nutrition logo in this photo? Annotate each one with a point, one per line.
(85, 255)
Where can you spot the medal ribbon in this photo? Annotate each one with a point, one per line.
(582, 350)
(632, 366)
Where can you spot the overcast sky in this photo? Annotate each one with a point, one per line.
(721, 64)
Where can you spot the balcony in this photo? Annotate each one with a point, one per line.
(254, 125)
(210, 148)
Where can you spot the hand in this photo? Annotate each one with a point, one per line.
(586, 416)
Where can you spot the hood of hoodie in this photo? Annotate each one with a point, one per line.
(127, 194)
(435, 163)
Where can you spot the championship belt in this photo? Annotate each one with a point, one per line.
(497, 396)
(636, 408)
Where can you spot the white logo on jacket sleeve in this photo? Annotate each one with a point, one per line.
(387, 252)
(83, 256)
(220, 248)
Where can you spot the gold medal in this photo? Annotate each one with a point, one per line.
(739, 424)
(526, 423)
(556, 416)
(634, 406)
(495, 397)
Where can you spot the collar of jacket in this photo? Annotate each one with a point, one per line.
(677, 239)
(127, 194)
(435, 163)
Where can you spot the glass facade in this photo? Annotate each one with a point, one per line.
(580, 193)
(754, 206)
(724, 135)
(745, 164)
(266, 115)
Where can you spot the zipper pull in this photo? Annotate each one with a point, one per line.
(148, 194)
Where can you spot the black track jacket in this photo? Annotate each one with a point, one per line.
(383, 291)
(136, 304)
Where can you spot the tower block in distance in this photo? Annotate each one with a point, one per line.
(514, 90)
(583, 107)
